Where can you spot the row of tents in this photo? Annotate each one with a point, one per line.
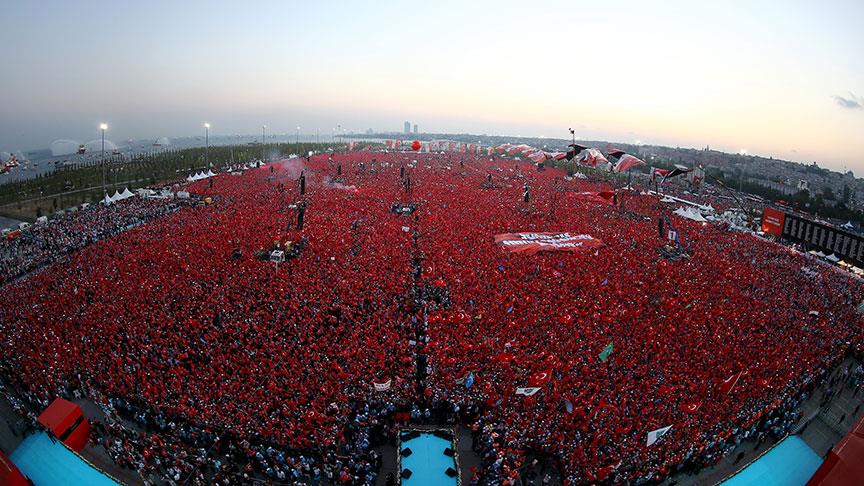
(200, 175)
(118, 196)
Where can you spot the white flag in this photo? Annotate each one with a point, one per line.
(527, 391)
(656, 434)
(382, 387)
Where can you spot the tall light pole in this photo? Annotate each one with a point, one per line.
(207, 144)
(103, 127)
(298, 134)
(263, 138)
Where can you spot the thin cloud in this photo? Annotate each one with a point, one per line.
(852, 102)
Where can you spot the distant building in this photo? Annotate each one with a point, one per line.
(804, 185)
(415, 129)
(781, 187)
(407, 127)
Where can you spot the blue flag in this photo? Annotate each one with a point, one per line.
(469, 380)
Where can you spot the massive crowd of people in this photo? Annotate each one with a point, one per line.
(45, 243)
(188, 328)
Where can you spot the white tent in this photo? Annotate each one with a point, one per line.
(200, 175)
(126, 194)
(690, 213)
(667, 198)
(832, 257)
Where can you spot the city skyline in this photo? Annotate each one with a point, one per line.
(781, 79)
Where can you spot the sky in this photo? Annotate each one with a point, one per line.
(774, 78)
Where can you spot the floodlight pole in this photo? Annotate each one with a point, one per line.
(103, 127)
(207, 144)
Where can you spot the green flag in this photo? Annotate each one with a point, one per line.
(604, 355)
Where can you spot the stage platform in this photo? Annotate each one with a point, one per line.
(790, 463)
(47, 461)
(428, 463)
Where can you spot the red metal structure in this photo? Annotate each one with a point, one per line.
(66, 421)
(9, 473)
(844, 465)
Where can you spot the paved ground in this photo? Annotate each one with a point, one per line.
(10, 432)
(8, 223)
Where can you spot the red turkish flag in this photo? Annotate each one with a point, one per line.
(691, 407)
(627, 162)
(540, 378)
(604, 197)
(728, 384)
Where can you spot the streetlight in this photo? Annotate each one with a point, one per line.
(298, 134)
(103, 127)
(263, 138)
(207, 144)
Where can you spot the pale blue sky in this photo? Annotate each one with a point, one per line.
(754, 75)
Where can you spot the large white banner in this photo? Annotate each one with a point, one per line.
(531, 243)
(382, 387)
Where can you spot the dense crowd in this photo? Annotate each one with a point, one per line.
(187, 328)
(45, 243)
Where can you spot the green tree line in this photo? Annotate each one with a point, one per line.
(140, 170)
